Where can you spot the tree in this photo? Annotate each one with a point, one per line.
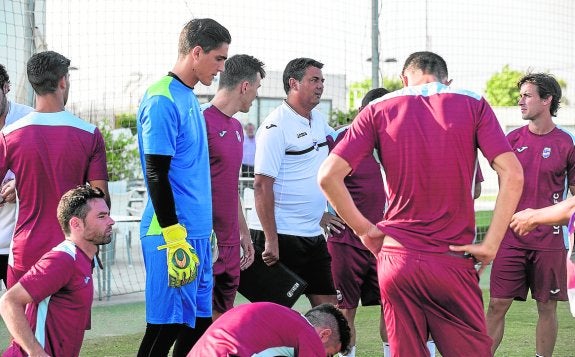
(357, 90)
(121, 152)
(501, 89)
(392, 84)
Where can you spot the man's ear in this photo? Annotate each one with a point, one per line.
(195, 52)
(404, 80)
(293, 83)
(324, 334)
(75, 223)
(244, 87)
(62, 82)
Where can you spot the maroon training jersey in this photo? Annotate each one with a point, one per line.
(256, 327)
(427, 138)
(225, 140)
(49, 153)
(549, 169)
(61, 286)
(367, 190)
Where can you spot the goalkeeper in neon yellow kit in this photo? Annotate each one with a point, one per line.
(177, 221)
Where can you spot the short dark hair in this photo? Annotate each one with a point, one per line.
(4, 78)
(547, 86)
(329, 315)
(206, 33)
(239, 68)
(45, 69)
(296, 69)
(428, 63)
(74, 203)
(373, 94)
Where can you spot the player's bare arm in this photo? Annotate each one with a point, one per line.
(12, 307)
(102, 185)
(510, 175)
(527, 220)
(264, 201)
(245, 240)
(331, 174)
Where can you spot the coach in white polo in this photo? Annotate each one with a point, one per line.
(290, 147)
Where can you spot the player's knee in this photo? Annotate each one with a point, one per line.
(498, 307)
(548, 309)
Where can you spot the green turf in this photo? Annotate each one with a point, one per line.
(483, 219)
(117, 330)
(518, 340)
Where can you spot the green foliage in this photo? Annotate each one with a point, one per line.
(392, 84)
(501, 90)
(126, 120)
(338, 117)
(358, 90)
(121, 153)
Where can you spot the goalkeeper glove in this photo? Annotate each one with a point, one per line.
(181, 256)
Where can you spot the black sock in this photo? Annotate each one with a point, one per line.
(158, 339)
(188, 336)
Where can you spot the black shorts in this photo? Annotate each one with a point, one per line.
(308, 257)
(3, 267)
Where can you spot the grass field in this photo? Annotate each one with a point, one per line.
(118, 326)
(118, 329)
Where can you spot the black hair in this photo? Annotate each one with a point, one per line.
(428, 63)
(206, 33)
(547, 86)
(74, 203)
(296, 69)
(239, 68)
(45, 69)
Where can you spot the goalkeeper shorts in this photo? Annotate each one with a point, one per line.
(167, 305)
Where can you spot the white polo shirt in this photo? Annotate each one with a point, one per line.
(290, 148)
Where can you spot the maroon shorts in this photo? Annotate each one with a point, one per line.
(516, 270)
(435, 293)
(226, 277)
(354, 272)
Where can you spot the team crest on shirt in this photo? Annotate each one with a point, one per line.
(546, 153)
(238, 136)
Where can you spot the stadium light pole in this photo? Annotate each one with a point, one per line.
(374, 44)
